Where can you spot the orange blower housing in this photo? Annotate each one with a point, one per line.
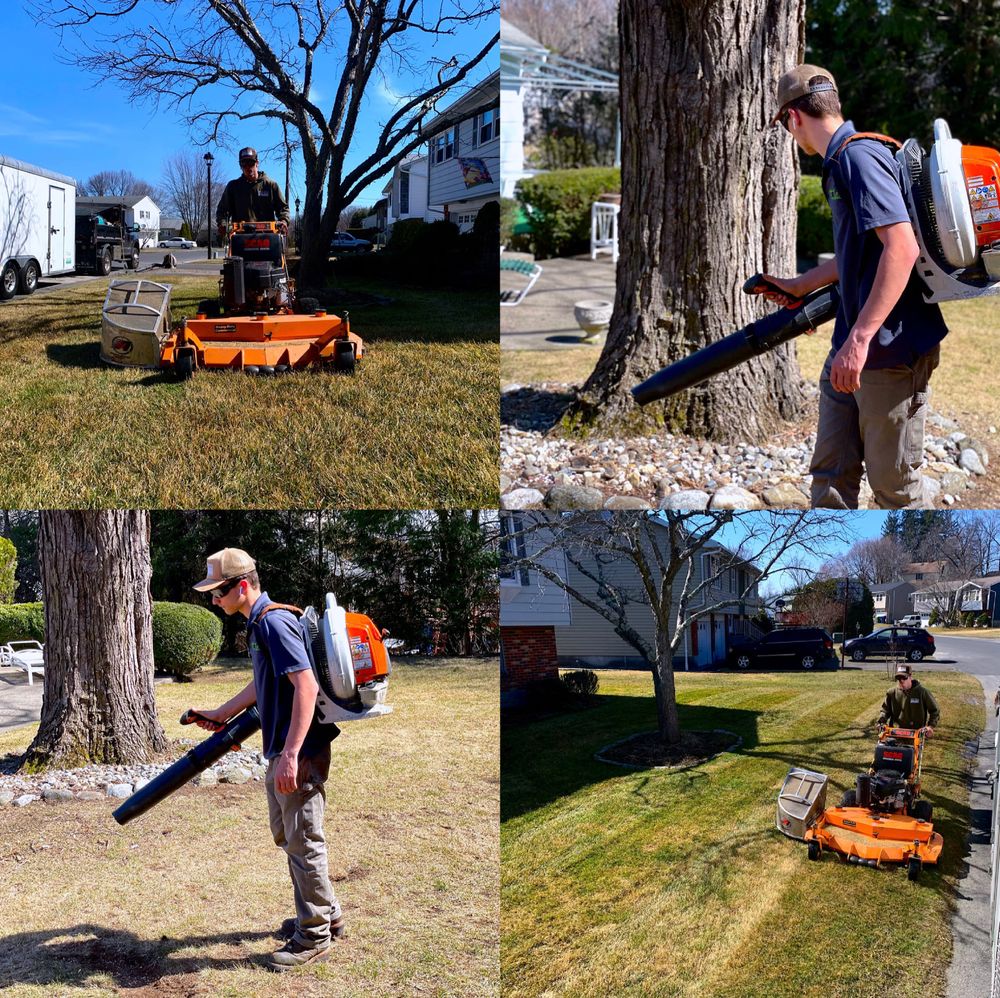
(371, 660)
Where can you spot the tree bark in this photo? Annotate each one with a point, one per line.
(98, 704)
(708, 198)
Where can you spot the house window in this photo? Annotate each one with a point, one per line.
(511, 550)
(486, 126)
(444, 145)
(404, 192)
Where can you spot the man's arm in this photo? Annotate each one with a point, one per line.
(886, 712)
(280, 208)
(934, 714)
(223, 211)
(246, 697)
(899, 254)
(303, 708)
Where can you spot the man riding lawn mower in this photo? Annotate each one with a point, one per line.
(881, 821)
(258, 324)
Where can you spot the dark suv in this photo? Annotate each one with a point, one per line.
(801, 647)
(911, 643)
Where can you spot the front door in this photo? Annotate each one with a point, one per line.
(57, 258)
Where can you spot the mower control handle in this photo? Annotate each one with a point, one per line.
(758, 284)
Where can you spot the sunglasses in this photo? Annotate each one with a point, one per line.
(783, 119)
(227, 587)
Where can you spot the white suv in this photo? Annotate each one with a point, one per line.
(915, 620)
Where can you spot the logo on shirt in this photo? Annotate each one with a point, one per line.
(914, 699)
(832, 194)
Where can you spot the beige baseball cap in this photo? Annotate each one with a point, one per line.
(229, 563)
(795, 84)
(903, 671)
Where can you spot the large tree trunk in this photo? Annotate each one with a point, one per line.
(667, 718)
(98, 704)
(708, 198)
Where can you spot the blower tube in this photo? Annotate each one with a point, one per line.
(816, 308)
(231, 734)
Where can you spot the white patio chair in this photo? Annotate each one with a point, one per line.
(26, 655)
(604, 229)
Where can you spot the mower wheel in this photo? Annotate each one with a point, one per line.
(915, 655)
(808, 662)
(251, 370)
(850, 799)
(8, 281)
(922, 810)
(306, 306)
(344, 357)
(858, 655)
(813, 851)
(185, 363)
(29, 278)
(104, 262)
(913, 868)
(211, 308)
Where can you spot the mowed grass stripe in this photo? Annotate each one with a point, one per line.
(676, 882)
(417, 425)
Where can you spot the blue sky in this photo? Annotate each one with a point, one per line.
(56, 116)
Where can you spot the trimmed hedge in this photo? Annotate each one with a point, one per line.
(22, 622)
(815, 219)
(582, 683)
(185, 637)
(558, 204)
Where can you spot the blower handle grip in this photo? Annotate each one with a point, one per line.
(758, 284)
(190, 716)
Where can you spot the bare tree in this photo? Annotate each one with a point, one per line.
(185, 187)
(98, 704)
(701, 212)
(117, 184)
(663, 551)
(225, 62)
(873, 561)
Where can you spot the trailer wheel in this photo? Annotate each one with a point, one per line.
(913, 868)
(813, 851)
(8, 281)
(344, 357)
(185, 363)
(29, 278)
(104, 262)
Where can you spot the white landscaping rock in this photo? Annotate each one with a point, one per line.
(970, 460)
(122, 790)
(733, 497)
(687, 499)
(522, 499)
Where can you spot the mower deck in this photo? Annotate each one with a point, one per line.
(875, 838)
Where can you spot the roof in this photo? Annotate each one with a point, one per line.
(924, 566)
(884, 587)
(484, 94)
(129, 200)
(17, 164)
(512, 35)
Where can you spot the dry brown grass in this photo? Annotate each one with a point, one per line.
(185, 900)
(417, 425)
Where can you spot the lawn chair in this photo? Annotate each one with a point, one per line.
(604, 229)
(26, 655)
(527, 269)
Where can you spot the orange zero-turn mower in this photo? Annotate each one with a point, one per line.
(257, 325)
(881, 821)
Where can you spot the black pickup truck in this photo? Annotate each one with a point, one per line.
(103, 237)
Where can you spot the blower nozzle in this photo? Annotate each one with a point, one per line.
(816, 308)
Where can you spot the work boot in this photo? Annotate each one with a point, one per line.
(338, 928)
(292, 954)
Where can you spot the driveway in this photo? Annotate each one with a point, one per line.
(19, 702)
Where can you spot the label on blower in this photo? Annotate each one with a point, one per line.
(361, 652)
(983, 200)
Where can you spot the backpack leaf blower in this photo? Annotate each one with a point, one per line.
(351, 665)
(951, 195)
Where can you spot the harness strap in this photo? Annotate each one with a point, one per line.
(886, 140)
(277, 606)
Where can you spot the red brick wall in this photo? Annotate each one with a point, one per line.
(529, 654)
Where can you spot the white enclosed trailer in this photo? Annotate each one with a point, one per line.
(37, 225)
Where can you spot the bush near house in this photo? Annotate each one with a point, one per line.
(815, 234)
(558, 204)
(185, 637)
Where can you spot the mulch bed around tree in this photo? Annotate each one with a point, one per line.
(647, 750)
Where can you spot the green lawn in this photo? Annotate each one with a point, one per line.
(185, 900)
(675, 883)
(417, 425)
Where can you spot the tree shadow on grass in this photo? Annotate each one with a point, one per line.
(86, 356)
(554, 757)
(69, 957)
(533, 408)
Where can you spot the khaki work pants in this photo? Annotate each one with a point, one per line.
(879, 429)
(297, 827)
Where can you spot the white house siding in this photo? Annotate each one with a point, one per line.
(146, 215)
(447, 186)
(511, 139)
(539, 602)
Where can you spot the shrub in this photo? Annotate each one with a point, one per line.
(815, 219)
(185, 637)
(934, 618)
(983, 620)
(404, 234)
(8, 570)
(558, 205)
(22, 622)
(487, 224)
(582, 683)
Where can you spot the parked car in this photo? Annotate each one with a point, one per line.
(344, 242)
(800, 647)
(914, 620)
(911, 643)
(176, 242)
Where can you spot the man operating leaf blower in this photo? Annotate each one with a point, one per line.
(874, 385)
(296, 746)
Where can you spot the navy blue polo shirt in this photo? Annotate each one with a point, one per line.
(863, 187)
(276, 649)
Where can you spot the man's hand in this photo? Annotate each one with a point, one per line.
(928, 729)
(849, 362)
(286, 773)
(787, 284)
(282, 228)
(218, 715)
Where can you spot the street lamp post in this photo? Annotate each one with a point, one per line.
(297, 244)
(209, 158)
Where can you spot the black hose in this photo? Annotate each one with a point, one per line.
(232, 734)
(818, 307)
